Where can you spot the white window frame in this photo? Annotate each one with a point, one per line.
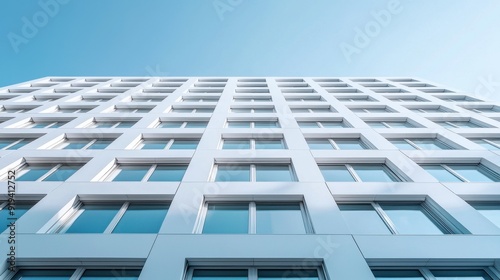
(252, 123)
(356, 177)
(253, 170)
(462, 178)
(489, 142)
(253, 271)
(427, 274)
(168, 142)
(24, 168)
(413, 144)
(252, 142)
(115, 170)
(79, 271)
(94, 124)
(252, 110)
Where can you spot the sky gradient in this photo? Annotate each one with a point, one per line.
(455, 43)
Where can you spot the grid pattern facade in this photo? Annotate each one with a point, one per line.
(250, 178)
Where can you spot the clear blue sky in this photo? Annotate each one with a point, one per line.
(456, 43)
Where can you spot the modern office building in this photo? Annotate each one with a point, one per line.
(209, 178)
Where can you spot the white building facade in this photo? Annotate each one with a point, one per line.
(207, 178)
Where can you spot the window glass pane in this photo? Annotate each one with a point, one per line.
(44, 274)
(131, 173)
(196, 124)
(241, 110)
(302, 274)
(410, 219)
(402, 145)
(236, 144)
(142, 218)
(261, 124)
(34, 172)
(431, 144)
(226, 218)
(333, 124)
(114, 274)
(441, 173)
(62, 173)
(57, 124)
(168, 173)
(308, 124)
(280, 219)
(476, 173)
(485, 144)
(104, 124)
(170, 124)
(19, 144)
(100, 144)
(269, 144)
(460, 275)
(398, 275)
(490, 211)
(376, 124)
(336, 173)
(154, 144)
(399, 124)
(94, 218)
(226, 274)
(75, 144)
(238, 124)
(204, 110)
(319, 144)
(21, 208)
(374, 173)
(227, 173)
(362, 218)
(5, 142)
(184, 145)
(125, 124)
(350, 144)
(273, 173)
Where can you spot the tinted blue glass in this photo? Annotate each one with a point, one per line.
(236, 144)
(41, 124)
(226, 218)
(131, 173)
(43, 274)
(34, 173)
(476, 173)
(339, 124)
(184, 145)
(485, 144)
(6, 217)
(227, 173)
(108, 274)
(302, 274)
(431, 144)
(280, 219)
(19, 144)
(269, 144)
(402, 145)
(5, 142)
(308, 124)
(238, 124)
(376, 124)
(94, 218)
(125, 124)
(319, 144)
(261, 124)
(398, 275)
(350, 144)
(400, 124)
(104, 124)
(216, 274)
(441, 173)
(142, 218)
(170, 124)
(75, 144)
(62, 173)
(168, 173)
(100, 144)
(193, 124)
(336, 173)
(363, 219)
(411, 219)
(154, 144)
(374, 173)
(273, 173)
(460, 275)
(490, 210)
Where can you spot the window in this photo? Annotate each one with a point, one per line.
(253, 99)
(46, 172)
(490, 144)
(393, 218)
(420, 144)
(200, 99)
(323, 124)
(88, 274)
(294, 273)
(254, 217)
(111, 124)
(252, 110)
(390, 124)
(172, 144)
(407, 98)
(434, 109)
(192, 110)
(462, 172)
(145, 99)
(254, 172)
(113, 217)
(129, 110)
(252, 124)
(458, 98)
(363, 98)
(182, 124)
(372, 110)
(83, 144)
(150, 173)
(313, 110)
(459, 124)
(94, 99)
(358, 173)
(13, 143)
(8, 215)
(228, 144)
(490, 210)
(433, 274)
(304, 98)
(44, 124)
(337, 144)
